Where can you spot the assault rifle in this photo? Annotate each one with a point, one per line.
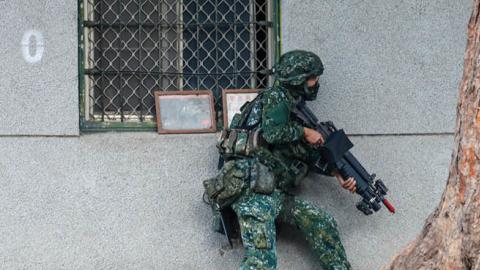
(335, 155)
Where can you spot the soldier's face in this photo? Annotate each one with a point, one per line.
(311, 87)
(312, 81)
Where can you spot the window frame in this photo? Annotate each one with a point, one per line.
(91, 126)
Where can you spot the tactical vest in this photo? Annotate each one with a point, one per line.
(242, 138)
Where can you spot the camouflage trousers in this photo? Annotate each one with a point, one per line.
(257, 214)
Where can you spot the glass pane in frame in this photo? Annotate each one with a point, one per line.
(185, 111)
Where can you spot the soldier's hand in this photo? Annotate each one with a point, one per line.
(350, 184)
(312, 136)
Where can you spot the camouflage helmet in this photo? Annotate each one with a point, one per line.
(295, 67)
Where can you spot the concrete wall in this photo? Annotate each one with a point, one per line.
(390, 66)
(39, 96)
(133, 200)
(392, 70)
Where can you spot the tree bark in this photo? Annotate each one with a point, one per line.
(450, 238)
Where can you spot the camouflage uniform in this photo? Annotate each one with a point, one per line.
(243, 184)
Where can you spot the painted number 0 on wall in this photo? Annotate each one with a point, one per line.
(32, 46)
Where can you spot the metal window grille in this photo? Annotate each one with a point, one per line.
(132, 48)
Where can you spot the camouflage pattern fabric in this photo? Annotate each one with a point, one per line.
(288, 149)
(229, 183)
(320, 230)
(277, 125)
(296, 66)
(284, 133)
(257, 214)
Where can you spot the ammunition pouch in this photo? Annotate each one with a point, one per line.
(240, 143)
(229, 183)
(262, 179)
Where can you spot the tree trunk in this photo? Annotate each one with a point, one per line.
(450, 238)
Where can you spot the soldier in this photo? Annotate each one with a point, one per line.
(267, 153)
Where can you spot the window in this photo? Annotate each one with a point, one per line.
(131, 48)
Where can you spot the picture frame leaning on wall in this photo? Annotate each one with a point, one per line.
(233, 100)
(184, 112)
